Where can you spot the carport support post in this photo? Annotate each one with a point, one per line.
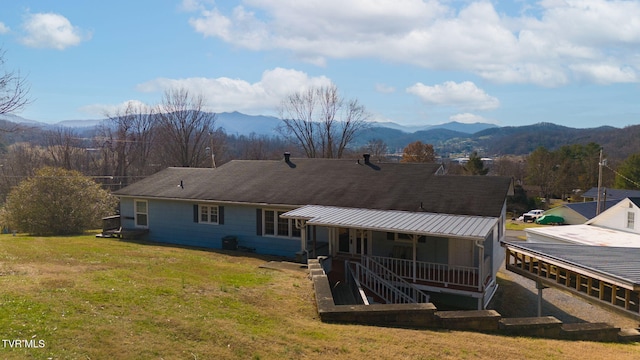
(540, 287)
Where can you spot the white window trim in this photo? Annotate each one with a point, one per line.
(209, 207)
(631, 220)
(290, 222)
(135, 213)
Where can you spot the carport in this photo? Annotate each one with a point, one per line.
(607, 276)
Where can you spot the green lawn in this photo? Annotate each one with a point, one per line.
(520, 225)
(89, 298)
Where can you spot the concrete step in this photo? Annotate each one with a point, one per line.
(629, 335)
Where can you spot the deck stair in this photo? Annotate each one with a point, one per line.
(386, 285)
(342, 294)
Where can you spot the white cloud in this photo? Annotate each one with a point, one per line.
(606, 73)
(468, 118)
(537, 45)
(225, 94)
(104, 110)
(464, 95)
(50, 30)
(3, 28)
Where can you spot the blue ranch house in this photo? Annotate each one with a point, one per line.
(407, 223)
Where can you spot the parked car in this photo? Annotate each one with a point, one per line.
(532, 215)
(550, 220)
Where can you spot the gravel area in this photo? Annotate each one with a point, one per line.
(557, 303)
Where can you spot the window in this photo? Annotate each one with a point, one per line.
(407, 238)
(274, 225)
(631, 220)
(141, 213)
(208, 214)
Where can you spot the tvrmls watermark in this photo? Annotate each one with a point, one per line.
(23, 343)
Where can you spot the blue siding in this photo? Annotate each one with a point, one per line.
(173, 222)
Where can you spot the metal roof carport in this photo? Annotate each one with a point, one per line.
(583, 235)
(608, 276)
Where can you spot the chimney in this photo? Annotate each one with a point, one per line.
(287, 157)
(366, 158)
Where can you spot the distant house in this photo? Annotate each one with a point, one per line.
(580, 212)
(610, 194)
(440, 234)
(618, 226)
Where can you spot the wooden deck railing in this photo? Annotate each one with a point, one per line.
(441, 274)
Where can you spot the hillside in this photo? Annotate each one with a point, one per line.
(84, 297)
(618, 143)
(450, 139)
(512, 140)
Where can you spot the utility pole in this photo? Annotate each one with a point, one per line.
(600, 163)
(213, 156)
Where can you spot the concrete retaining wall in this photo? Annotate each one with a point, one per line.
(426, 316)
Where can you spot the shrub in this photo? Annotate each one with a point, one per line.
(57, 202)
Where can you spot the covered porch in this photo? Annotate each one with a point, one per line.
(435, 253)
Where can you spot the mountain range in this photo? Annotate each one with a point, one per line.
(449, 139)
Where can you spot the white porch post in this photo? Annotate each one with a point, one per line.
(332, 239)
(301, 224)
(414, 240)
(480, 264)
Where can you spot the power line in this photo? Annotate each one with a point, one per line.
(622, 176)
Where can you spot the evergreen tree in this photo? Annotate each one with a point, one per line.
(475, 166)
(628, 173)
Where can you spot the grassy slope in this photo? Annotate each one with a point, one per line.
(101, 298)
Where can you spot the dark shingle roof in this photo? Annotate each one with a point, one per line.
(331, 182)
(612, 194)
(588, 209)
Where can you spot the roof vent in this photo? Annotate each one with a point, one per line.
(366, 158)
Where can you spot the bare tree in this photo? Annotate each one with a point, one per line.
(321, 121)
(377, 148)
(541, 170)
(64, 148)
(185, 129)
(127, 141)
(13, 89)
(509, 166)
(20, 161)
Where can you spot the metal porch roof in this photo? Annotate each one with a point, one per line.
(421, 223)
